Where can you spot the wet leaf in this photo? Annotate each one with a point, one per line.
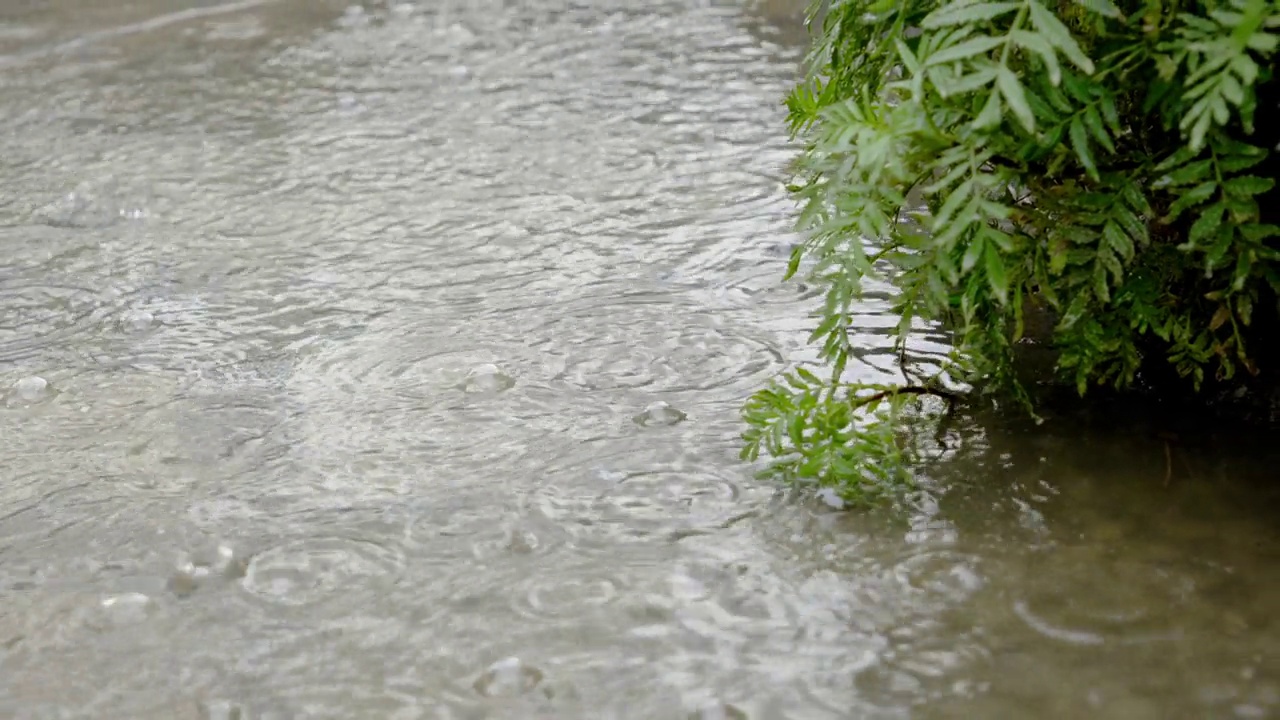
(809, 377)
(1017, 100)
(967, 13)
(1059, 36)
(1118, 240)
(1244, 309)
(1248, 185)
(972, 253)
(996, 275)
(1187, 174)
(908, 58)
(1080, 144)
(967, 49)
(990, 115)
(1220, 317)
(1206, 225)
(1106, 8)
(1190, 198)
(949, 85)
(1037, 44)
(1093, 121)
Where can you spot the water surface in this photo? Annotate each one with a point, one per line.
(353, 321)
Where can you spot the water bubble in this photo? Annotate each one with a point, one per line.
(125, 609)
(307, 571)
(137, 321)
(194, 570)
(187, 578)
(659, 413)
(487, 378)
(520, 541)
(95, 203)
(508, 677)
(29, 390)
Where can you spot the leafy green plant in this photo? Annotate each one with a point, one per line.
(993, 160)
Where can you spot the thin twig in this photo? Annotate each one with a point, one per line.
(947, 395)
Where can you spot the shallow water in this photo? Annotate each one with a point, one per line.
(355, 321)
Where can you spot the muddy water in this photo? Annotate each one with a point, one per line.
(333, 341)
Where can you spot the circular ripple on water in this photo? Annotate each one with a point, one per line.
(308, 571)
(556, 593)
(650, 341)
(474, 528)
(382, 365)
(1109, 600)
(639, 506)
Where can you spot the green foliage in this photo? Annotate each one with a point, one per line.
(813, 436)
(1092, 160)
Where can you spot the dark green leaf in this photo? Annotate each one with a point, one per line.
(1080, 144)
(1257, 232)
(1109, 112)
(1236, 163)
(1244, 306)
(1190, 198)
(1109, 260)
(1207, 224)
(1133, 196)
(1180, 156)
(1118, 240)
(996, 275)
(1247, 185)
(1134, 228)
(1188, 174)
(1218, 251)
(1093, 121)
(1101, 288)
(1244, 267)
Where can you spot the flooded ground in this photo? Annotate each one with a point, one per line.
(332, 340)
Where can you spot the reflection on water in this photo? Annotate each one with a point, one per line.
(384, 361)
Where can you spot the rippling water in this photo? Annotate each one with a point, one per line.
(351, 327)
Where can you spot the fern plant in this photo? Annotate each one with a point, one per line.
(1093, 162)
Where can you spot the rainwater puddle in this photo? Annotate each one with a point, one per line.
(383, 360)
